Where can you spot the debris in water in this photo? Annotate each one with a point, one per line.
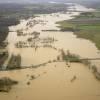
(73, 79)
(44, 72)
(28, 83)
(32, 77)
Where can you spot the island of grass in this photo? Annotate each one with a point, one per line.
(86, 25)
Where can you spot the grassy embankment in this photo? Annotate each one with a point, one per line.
(87, 26)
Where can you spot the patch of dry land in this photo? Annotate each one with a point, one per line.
(43, 66)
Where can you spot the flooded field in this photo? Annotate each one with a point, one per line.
(53, 81)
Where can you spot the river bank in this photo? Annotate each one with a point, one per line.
(84, 26)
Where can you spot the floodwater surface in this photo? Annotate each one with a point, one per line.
(53, 81)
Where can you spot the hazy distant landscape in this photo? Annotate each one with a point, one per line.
(50, 50)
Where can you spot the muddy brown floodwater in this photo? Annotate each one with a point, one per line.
(54, 81)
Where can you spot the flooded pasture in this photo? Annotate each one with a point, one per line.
(53, 81)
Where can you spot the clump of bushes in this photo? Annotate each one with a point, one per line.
(14, 62)
(70, 57)
(3, 57)
(95, 72)
(6, 84)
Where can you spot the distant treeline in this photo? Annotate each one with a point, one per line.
(4, 23)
